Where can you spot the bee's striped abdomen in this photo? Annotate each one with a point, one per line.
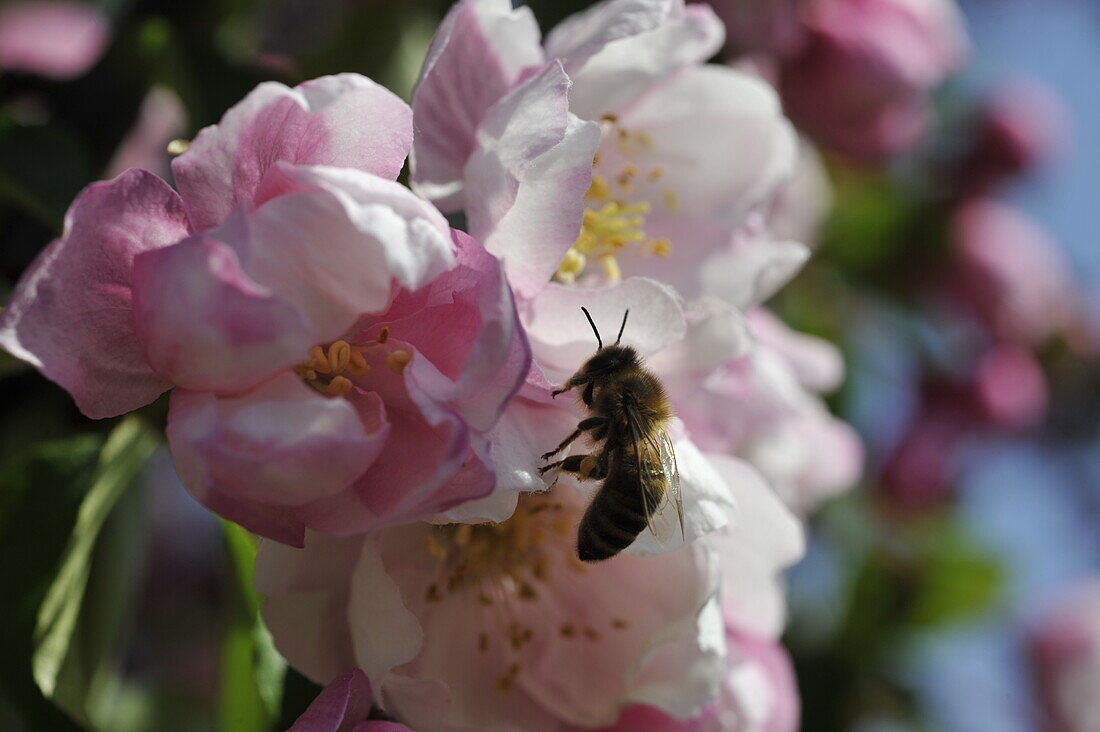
(616, 515)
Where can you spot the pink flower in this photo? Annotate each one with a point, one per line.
(761, 401)
(1065, 653)
(758, 694)
(860, 82)
(57, 39)
(338, 353)
(1010, 387)
(676, 164)
(343, 706)
(1020, 126)
(1010, 273)
(499, 625)
(768, 27)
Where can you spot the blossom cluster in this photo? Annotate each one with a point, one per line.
(367, 384)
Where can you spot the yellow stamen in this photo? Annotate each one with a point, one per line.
(358, 365)
(178, 147)
(611, 267)
(672, 201)
(339, 386)
(398, 360)
(319, 361)
(383, 335)
(661, 247)
(339, 354)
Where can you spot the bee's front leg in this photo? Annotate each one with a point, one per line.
(569, 385)
(587, 424)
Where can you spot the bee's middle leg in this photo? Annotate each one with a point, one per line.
(587, 424)
(586, 467)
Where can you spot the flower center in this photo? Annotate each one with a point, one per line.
(330, 369)
(617, 205)
(513, 562)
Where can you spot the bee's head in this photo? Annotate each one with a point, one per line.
(608, 359)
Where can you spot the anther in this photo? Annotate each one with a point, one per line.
(339, 354)
(619, 624)
(319, 361)
(339, 386)
(178, 147)
(567, 630)
(432, 594)
(384, 334)
(398, 360)
(655, 175)
(358, 365)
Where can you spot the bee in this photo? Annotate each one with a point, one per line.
(634, 457)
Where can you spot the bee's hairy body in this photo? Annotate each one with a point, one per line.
(634, 403)
(628, 414)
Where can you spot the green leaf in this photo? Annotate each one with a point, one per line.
(252, 670)
(66, 666)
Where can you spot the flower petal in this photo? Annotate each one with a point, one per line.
(719, 137)
(766, 539)
(561, 338)
(280, 445)
(468, 330)
(748, 273)
(475, 58)
(51, 38)
(306, 599)
(71, 316)
(206, 325)
(345, 120)
(528, 177)
(616, 50)
(342, 704)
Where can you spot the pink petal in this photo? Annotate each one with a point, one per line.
(476, 56)
(528, 178)
(616, 50)
(765, 540)
(476, 352)
(208, 326)
(59, 40)
(339, 707)
(427, 465)
(71, 316)
(374, 232)
(345, 120)
(719, 136)
(306, 601)
(818, 363)
(561, 339)
(281, 445)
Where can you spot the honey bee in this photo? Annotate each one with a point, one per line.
(629, 413)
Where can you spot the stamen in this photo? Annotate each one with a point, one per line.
(178, 147)
(339, 354)
(398, 360)
(358, 365)
(319, 361)
(384, 334)
(339, 386)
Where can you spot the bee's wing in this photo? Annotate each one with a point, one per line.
(658, 447)
(672, 475)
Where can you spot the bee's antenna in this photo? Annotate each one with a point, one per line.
(593, 324)
(622, 327)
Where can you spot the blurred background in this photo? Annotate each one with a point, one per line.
(956, 588)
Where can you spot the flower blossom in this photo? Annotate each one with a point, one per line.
(651, 164)
(1065, 656)
(52, 38)
(343, 706)
(337, 353)
(500, 626)
(761, 402)
(856, 75)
